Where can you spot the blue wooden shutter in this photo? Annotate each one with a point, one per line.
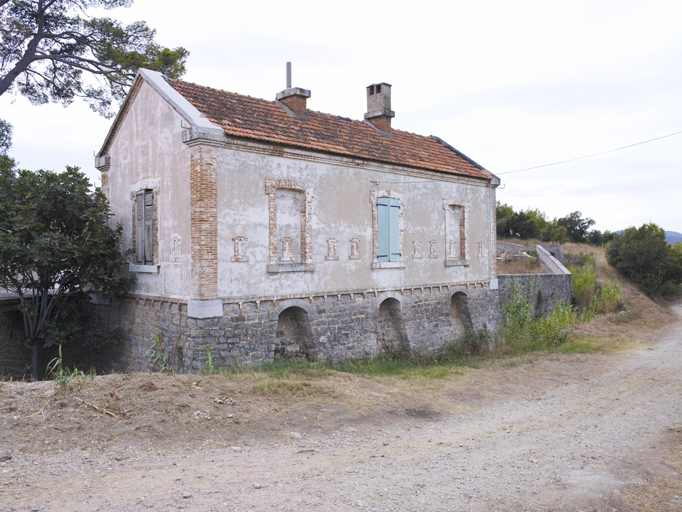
(388, 220)
(383, 227)
(394, 231)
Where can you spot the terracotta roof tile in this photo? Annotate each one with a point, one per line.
(254, 118)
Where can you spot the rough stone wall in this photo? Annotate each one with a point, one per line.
(548, 289)
(342, 326)
(15, 356)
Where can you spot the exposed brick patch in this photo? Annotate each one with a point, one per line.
(295, 102)
(271, 186)
(456, 229)
(204, 222)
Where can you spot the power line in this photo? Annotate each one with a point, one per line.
(590, 156)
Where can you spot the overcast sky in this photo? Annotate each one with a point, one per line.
(510, 84)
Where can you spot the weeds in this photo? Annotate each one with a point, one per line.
(592, 298)
(521, 330)
(64, 377)
(210, 368)
(157, 355)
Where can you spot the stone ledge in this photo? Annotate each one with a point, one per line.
(144, 269)
(278, 268)
(387, 264)
(205, 308)
(456, 263)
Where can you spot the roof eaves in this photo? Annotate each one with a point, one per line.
(198, 121)
(458, 153)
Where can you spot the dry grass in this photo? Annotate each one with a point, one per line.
(663, 492)
(522, 266)
(640, 319)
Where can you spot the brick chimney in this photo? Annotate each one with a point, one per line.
(379, 111)
(294, 98)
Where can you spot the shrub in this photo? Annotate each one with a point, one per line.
(643, 256)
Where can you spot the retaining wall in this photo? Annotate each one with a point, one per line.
(548, 289)
(339, 327)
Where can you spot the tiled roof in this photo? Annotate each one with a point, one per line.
(254, 118)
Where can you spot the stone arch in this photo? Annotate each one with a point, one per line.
(299, 303)
(391, 336)
(387, 295)
(294, 336)
(460, 316)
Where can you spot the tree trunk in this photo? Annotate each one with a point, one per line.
(35, 348)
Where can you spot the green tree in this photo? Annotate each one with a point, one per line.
(554, 233)
(52, 50)
(643, 256)
(576, 226)
(594, 237)
(55, 248)
(5, 136)
(504, 214)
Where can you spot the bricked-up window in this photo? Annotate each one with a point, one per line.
(144, 227)
(456, 232)
(388, 229)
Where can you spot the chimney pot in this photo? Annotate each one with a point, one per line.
(379, 111)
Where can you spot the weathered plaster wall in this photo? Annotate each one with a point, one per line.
(147, 152)
(340, 326)
(342, 210)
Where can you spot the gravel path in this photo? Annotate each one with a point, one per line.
(570, 442)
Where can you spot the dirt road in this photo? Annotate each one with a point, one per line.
(591, 433)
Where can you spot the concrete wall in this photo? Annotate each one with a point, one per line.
(339, 326)
(548, 289)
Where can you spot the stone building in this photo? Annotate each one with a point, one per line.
(264, 229)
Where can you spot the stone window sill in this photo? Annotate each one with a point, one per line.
(278, 268)
(144, 269)
(387, 264)
(456, 263)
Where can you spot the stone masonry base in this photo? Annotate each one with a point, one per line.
(334, 327)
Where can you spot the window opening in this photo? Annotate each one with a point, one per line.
(144, 227)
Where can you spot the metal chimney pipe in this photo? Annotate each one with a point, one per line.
(288, 75)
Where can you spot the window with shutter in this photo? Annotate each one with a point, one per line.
(388, 229)
(144, 227)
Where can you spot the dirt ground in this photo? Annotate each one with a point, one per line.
(596, 432)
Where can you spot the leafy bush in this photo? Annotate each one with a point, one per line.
(643, 256)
